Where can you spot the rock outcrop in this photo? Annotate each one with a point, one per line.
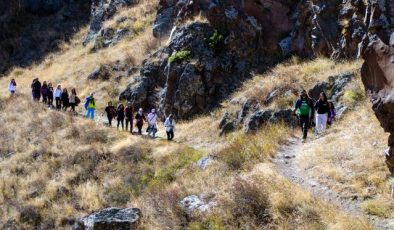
(377, 49)
(110, 218)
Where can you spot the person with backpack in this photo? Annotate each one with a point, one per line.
(152, 123)
(58, 97)
(12, 86)
(44, 92)
(50, 95)
(170, 127)
(36, 89)
(120, 115)
(129, 116)
(322, 113)
(303, 108)
(140, 118)
(65, 99)
(90, 106)
(73, 99)
(111, 113)
(333, 113)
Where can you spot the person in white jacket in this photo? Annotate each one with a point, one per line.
(12, 86)
(170, 127)
(57, 95)
(152, 123)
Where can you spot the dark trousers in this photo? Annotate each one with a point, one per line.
(50, 101)
(304, 123)
(72, 105)
(170, 135)
(44, 98)
(120, 121)
(58, 103)
(109, 120)
(139, 129)
(129, 121)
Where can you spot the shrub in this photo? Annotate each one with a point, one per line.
(180, 56)
(216, 41)
(354, 95)
(376, 208)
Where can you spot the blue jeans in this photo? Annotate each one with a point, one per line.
(90, 113)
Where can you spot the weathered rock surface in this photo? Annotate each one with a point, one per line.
(193, 203)
(377, 49)
(111, 218)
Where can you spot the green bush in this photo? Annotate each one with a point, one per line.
(354, 95)
(216, 41)
(180, 56)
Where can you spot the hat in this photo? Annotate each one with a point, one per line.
(153, 110)
(140, 110)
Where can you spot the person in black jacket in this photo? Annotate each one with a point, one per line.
(120, 115)
(111, 113)
(303, 108)
(36, 89)
(140, 118)
(322, 113)
(65, 99)
(50, 95)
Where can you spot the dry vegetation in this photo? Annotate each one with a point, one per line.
(55, 167)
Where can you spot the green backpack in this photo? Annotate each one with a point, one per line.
(304, 109)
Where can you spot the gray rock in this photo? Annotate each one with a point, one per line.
(193, 204)
(164, 22)
(102, 73)
(256, 120)
(112, 218)
(285, 45)
(204, 162)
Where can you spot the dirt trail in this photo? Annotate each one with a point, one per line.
(287, 166)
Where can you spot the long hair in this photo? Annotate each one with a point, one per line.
(324, 96)
(73, 91)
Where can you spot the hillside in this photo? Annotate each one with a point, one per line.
(237, 161)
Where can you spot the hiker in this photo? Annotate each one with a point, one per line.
(73, 99)
(152, 123)
(36, 89)
(170, 127)
(322, 113)
(111, 113)
(128, 112)
(120, 115)
(303, 108)
(58, 97)
(333, 113)
(12, 86)
(65, 99)
(50, 95)
(140, 118)
(90, 106)
(44, 92)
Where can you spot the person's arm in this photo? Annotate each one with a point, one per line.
(296, 105)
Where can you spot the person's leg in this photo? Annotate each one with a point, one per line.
(304, 126)
(117, 126)
(172, 134)
(139, 129)
(92, 114)
(122, 124)
(127, 124)
(109, 120)
(168, 135)
(324, 119)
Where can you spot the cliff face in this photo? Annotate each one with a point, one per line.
(29, 29)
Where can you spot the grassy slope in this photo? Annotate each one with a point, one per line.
(59, 166)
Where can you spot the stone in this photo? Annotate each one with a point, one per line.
(256, 120)
(204, 162)
(164, 22)
(112, 218)
(193, 203)
(102, 72)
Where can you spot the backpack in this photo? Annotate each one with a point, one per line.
(77, 100)
(304, 108)
(87, 103)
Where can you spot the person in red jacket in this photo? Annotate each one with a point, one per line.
(128, 112)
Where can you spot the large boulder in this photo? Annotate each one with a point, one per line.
(111, 218)
(377, 74)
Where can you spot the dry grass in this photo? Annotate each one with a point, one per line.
(350, 160)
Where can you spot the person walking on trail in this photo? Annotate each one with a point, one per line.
(128, 111)
(44, 92)
(333, 113)
(50, 95)
(152, 123)
(65, 99)
(140, 118)
(36, 89)
(322, 113)
(303, 108)
(120, 115)
(58, 97)
(170, 127)
(90, 106)
(12, 86)
(111, 113)
(73, 100)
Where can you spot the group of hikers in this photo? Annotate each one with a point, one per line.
(305, 109)
(123, 114)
